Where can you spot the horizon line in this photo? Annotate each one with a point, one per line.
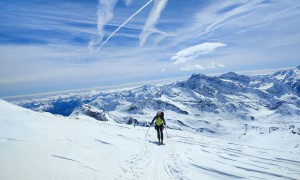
(130, 85)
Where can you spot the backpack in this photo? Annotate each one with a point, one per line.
(159, 121)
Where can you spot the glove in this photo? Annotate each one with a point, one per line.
(150, 124)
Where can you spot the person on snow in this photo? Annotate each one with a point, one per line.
(159, 125)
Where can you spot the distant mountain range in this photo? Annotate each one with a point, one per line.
(201, 97)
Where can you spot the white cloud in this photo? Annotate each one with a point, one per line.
(154, 15)
(192, 67)
(128, 2)
(221, 65)
(195, 51)
(213, 65)
(51, 65)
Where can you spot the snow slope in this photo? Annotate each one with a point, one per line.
(36, 145)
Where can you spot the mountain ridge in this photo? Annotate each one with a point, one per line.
(228, 96)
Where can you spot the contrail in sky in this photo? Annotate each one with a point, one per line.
(124, 23)
(152, 19)
(105, 13)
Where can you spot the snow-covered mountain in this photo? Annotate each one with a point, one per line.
(200, 103)
(290, 77)
(39, 145)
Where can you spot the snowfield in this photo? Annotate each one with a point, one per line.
(35, 145)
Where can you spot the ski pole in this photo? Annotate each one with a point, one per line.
(148, 131)
(167, 132)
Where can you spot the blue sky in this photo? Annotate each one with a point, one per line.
(58, 45)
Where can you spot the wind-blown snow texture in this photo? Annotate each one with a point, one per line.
(39, 145)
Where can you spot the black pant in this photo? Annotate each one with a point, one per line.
(159, 129)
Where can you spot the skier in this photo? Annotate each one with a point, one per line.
(159, 125)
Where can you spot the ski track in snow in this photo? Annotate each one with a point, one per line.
(169, 162)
